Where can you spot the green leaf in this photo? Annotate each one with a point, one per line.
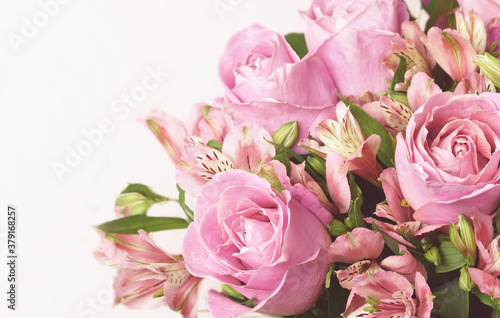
(285, 160)
(399, 74)
(354, 212)
(298, 43)
(439, 7)
(337, 298)
(451, 258)
(486, 299)
(212, 143)
(145, 191)
(371, 126)
(132, 224)
(456, 301)
(431, 7)
(182, 202)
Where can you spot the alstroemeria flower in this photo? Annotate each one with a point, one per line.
(298, 174)
(475, 83)
(144, 270)
(488, 246)
(487, 9)
(405, 265)
(452, 52)
(344, 138)
(245, 147)
(388, 294)
(487, 283)
(472, 28)
(204, 123)
(398, 211)
(414, 51)
(360, 244)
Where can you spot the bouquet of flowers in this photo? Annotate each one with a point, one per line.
(352, 170)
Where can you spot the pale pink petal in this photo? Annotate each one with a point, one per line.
(363, 161)
(487, 283)
(422, 87)
(336, 180)
(452, 52)
(169, 131)
(405, 265)
(247, 147)
(424, 297)
(360, 244)
(198, 165)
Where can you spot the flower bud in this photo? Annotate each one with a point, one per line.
(465, 282)
(318, 165)
(287, 134)
(462, 237)
(349, 223)
(489, 67)
(337, 228)
(136, 202)
(468, 236)
(433, 256)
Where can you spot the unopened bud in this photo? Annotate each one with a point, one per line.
(349, 223)
(287, 134)
(136, 202)
(489, 67)
(433, 256)
(318, 165)
(468, 236)
(465, 282)
(462, 237)
(337, 228)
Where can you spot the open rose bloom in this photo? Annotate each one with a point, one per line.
(350, 170)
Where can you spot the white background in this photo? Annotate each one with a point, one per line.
(61, 78)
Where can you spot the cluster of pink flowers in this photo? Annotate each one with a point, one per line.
(353, 169)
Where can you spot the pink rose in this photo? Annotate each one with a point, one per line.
(264, 243)
(447, 163)
(487, 9)
(352, 38)
(266, 83)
